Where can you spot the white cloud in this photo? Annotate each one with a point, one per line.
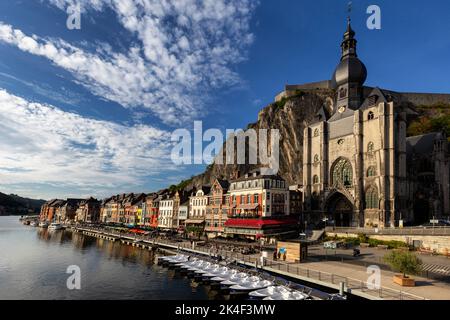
(184, 50)
(42, 144)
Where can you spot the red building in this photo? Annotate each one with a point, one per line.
(151, 211)
(259, 208)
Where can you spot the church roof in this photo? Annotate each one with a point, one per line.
(342, 115)
(423, 144)
(374, 98)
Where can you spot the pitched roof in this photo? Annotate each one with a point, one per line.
(375, 97)
(423, 144)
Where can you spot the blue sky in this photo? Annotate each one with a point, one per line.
(90, 111)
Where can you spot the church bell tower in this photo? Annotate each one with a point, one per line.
(350, 75)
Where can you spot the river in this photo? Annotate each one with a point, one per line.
(34, 261)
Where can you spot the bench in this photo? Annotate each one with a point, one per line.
(364, 245)
(383, 247)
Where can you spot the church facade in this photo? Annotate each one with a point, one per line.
(359, 167)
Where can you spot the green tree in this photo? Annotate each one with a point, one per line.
(404, 262)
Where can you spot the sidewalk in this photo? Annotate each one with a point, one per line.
(356, 278)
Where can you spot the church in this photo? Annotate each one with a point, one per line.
(359, 167)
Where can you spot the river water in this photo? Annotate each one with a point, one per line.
(34, 261)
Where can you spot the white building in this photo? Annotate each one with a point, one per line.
(165, 218)
(198, 204)
(183, 211)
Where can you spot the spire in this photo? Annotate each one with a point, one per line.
(350, 74)
(349, 44)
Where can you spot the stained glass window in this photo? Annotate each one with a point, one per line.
(316, 179)
(371, 172)
(372, 198)
(342, 173)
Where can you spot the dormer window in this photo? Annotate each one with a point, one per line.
(373, 100)
(342, 109)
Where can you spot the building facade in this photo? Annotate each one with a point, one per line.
(166, 208)
(259, 207)
(183, 212)
(356, 154)
(198, 204)
(217, 209)
(151, 210)
(89, 211)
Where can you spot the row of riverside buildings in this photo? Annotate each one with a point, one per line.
(253, 206)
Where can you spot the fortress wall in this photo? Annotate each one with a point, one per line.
(426, 98)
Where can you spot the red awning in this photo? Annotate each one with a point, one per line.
(259, 223)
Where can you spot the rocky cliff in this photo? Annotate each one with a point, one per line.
(289, 116)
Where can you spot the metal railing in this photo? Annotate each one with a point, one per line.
(350, 283)
(426, 231)
(293, 269)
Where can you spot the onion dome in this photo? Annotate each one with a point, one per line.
(350, 69)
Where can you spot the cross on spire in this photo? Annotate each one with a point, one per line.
(349, 10)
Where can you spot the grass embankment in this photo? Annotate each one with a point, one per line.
(362, 238)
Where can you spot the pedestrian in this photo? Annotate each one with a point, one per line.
(284, 256)
(279, 254)
(275, 255)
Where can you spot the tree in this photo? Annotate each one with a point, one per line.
(404, 262)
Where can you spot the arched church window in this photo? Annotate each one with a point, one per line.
(370, 147)
(372, 198)
(371, 116)
(316, 133)
(342, 93)
(316, 179)
(371, 172)
(316, 158)
(342, 173)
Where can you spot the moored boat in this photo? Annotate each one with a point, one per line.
(252, 284)
(267, 292)
(43, 224)
(55, 226)
(289, 295)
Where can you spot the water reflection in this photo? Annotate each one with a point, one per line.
(34, 261)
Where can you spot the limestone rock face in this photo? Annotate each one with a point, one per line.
(290, 118)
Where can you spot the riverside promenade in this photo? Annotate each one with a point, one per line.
(327, 274)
